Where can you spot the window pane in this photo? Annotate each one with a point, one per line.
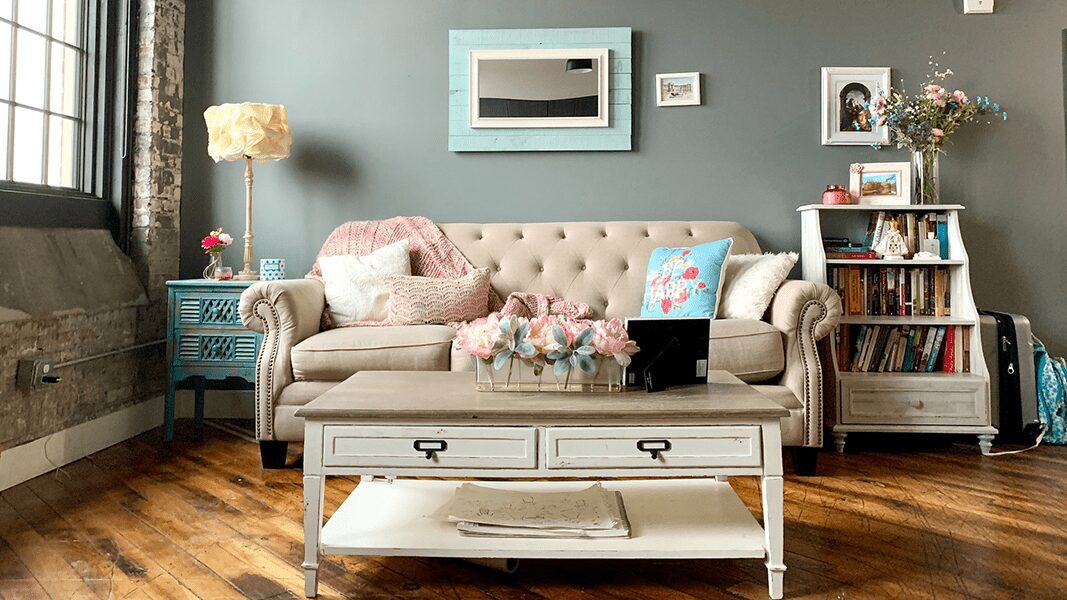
(29, 145)
(66, 21)
(5, 9)
(66, 74)
(3, 139)
(33, 14)
(62, 151)
(5, 60)
(29, 69)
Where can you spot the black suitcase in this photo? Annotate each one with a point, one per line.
(1009, 354)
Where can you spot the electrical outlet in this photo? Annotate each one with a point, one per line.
(35, 373)
(977, 7)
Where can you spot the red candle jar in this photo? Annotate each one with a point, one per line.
(836, 194)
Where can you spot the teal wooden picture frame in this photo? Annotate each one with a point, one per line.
(616, 136)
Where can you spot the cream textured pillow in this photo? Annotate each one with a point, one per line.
(429, 300)
(355, 285)
(751, 281)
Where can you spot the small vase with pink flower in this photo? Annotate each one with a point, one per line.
(214, 244)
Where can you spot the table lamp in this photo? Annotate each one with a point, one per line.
(251, 132)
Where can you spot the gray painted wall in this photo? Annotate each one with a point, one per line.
(366, 88)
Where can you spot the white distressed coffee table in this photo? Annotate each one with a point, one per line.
(683, 443)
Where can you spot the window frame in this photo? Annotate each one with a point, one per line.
(102, 199)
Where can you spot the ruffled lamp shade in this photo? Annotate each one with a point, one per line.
(247, 131)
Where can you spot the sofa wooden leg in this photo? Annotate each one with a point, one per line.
(804, 460)
(272, 453)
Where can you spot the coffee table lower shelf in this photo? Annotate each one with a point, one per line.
(669, 518)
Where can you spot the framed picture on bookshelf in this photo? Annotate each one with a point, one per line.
(846, 91)
(886, 184)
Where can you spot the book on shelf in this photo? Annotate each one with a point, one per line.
(892, 291)
(913, 227)
(903, 349)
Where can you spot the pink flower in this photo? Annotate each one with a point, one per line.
(226, 238)
(936, 94)
(690, 273)
(937, 132)
(665, 305)
(687, 253)
(960, 97)
(481, 338)
(702, 285)
(610, 339)
(209, 242)
(878, 105)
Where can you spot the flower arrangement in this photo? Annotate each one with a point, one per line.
(216, 241)
(923, 123)
(214, 244)
(565, 344)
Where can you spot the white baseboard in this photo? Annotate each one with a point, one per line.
(38, 457)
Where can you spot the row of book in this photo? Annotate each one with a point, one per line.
(912, 226)
(904, 349)
(896, 291)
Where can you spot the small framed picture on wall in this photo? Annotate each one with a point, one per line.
(846, 92)
(880, 183)
(678, 89)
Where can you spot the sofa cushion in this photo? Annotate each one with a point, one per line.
(336, 354)
(752, 350)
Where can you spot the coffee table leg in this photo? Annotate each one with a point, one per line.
(314, 492)
(773, 509)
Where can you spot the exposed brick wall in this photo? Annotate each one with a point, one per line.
(82, 327)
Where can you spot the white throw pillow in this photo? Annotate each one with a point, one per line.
(355, 285)
(751, 281)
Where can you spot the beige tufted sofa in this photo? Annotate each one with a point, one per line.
(602, 264)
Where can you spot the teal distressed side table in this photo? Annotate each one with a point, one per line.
(206, 342)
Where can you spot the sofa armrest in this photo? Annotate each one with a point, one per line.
(287, 312)
(805, 312)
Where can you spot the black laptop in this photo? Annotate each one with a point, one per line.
(674, 351)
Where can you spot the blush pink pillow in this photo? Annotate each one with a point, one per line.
(437, 301)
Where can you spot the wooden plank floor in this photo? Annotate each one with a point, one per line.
(200, 519)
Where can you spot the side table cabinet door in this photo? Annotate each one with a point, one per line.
(207, 310)
(217, 348)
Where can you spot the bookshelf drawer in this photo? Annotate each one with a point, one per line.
(902, 399)
(631, 447)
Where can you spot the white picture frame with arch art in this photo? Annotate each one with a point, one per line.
(845, 92)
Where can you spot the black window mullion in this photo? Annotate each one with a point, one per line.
(11, 96)
(47, 90)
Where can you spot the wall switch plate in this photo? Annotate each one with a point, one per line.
(977, 7)
(35, 373)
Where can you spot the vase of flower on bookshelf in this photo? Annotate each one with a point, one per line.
(926, 168)
(924, 122)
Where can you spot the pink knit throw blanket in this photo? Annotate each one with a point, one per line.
(434, 255)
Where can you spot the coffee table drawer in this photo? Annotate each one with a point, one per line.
(437, 447)
(634, 447)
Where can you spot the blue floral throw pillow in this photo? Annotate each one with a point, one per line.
(685, 282)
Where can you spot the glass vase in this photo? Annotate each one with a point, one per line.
(926, 167)
(214, 265)
(517, 376)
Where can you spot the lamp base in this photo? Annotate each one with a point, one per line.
(247, 275)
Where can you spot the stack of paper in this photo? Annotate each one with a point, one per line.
(590, 513)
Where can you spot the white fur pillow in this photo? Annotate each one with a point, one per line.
(355, 285)
(751, 281)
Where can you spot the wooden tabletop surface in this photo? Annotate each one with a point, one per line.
(422, 395)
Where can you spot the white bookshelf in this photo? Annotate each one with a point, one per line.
(934, 402)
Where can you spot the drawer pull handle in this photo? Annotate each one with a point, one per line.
(654, 447)
(430, 447)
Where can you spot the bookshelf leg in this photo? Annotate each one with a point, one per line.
(839, 440)
(985, 442)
